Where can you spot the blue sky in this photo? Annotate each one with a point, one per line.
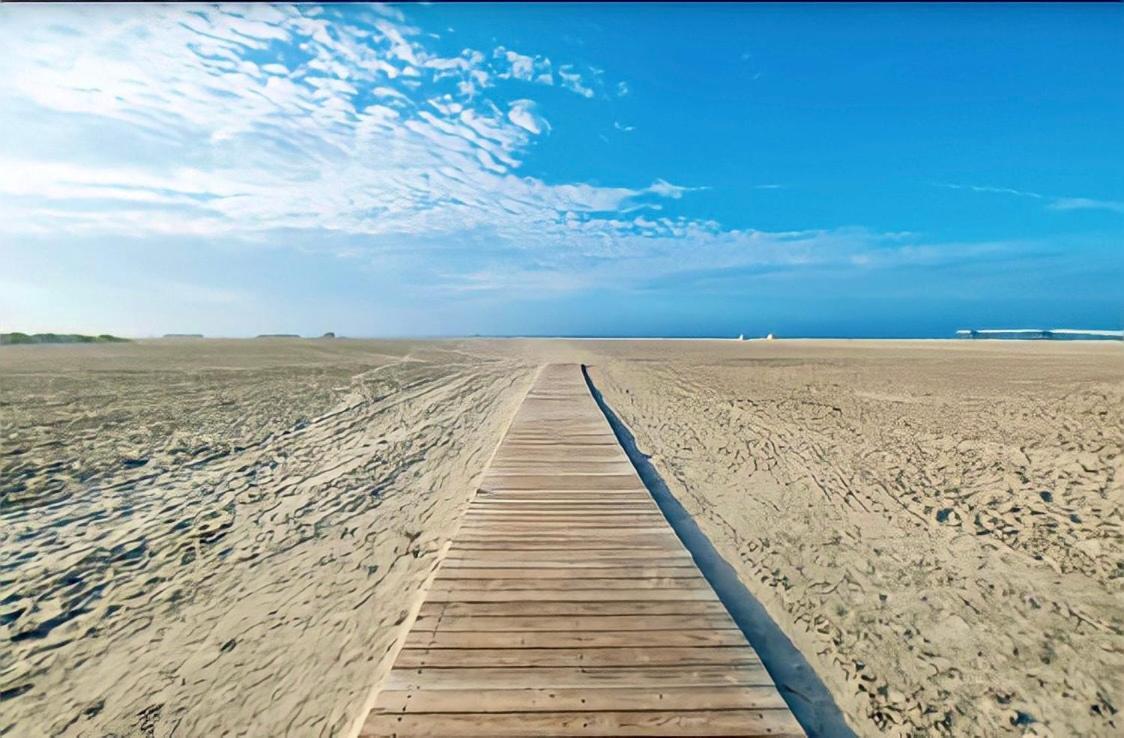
(581, 170)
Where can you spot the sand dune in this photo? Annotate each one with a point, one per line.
(224, 537)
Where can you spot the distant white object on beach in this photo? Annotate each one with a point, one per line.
(769, 337)
(741, 336)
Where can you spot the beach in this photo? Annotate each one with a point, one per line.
(207, 537)
(251, 574)
(936, 525)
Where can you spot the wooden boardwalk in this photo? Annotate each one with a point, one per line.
(567, 605)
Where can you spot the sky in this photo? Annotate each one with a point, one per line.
(667, 170)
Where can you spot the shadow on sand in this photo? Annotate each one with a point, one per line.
(798, 683)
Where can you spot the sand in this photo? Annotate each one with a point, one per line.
(936, 526)
(225, 537)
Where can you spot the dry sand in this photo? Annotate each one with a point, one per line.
(936, 525)
(223, 538)
(219, 538)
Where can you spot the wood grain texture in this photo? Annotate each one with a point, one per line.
(566, 605)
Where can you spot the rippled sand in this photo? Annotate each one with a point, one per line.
(224, 537)
(220, 538)
(937, 526)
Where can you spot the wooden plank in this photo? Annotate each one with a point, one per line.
(543, 507)
(514, 549)
(639, 572)
(523, 518)
(548, 700)
(552, 562)
(515, 518)
(570, 595)
(619, 536)
(495, 503)
(575, 437)
(537, 513)
(568, 554)
(652, 677)
(561, 491)
(773, 723)
(516, 513)
(619, 607)
(561, 526)
(433, 618)
(516, 466)
(605, 444)
(502, 512)
(565, 497)
(420, 638)
(576, 532)
(412, 658)
(517, 549)
(561, 499)
(563, 481)
(555, 585)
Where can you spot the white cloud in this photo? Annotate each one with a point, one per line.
(666, 189)
(993, 190)
(513, 65)
(1085, 203)
(521, 66)
(523, 114)
(573, 81)
(1053, 203)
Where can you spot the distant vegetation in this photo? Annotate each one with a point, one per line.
(18, 338)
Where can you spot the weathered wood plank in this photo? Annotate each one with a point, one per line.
(555, 585)
(578, 565)
(774, 723)
(576, 527)
(513, 514)
(571, 595)
(547, 700)
(562, 481)
(433, 618)
(508, 556)
(638, 572)
(620, 607)
(445, 638)
(562, 497)
(578, 677)
(516, 549)
(410, 658)
(591, 506)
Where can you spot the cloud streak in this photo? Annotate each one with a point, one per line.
(1085, 203)
(1052, 202)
